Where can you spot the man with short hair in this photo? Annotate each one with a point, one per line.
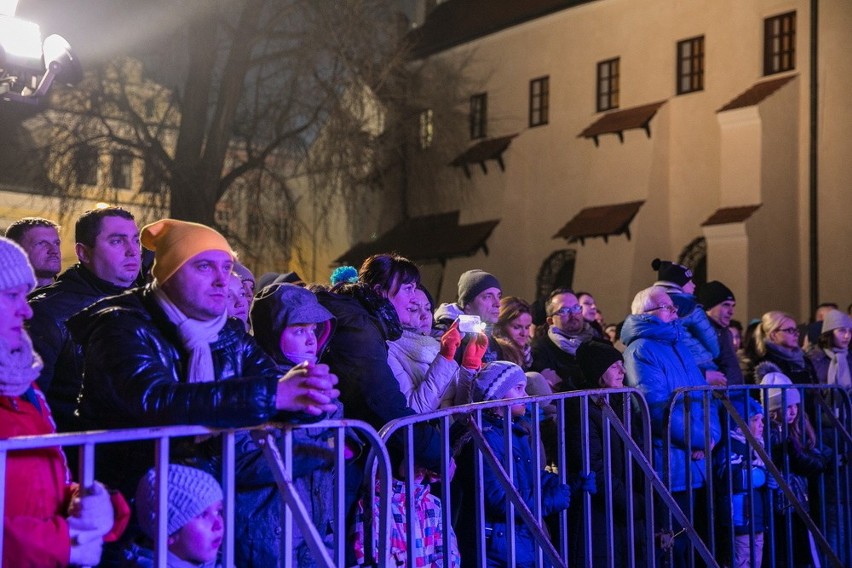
(719, 303)
(108, 251)
(554, 354)
(39, 237)
(167, 354)
(479, 295)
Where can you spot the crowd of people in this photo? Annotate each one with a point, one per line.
(163, 326)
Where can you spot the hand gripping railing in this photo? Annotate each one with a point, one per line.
(281, 465)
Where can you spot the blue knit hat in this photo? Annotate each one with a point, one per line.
(746, 407)
(495, 380)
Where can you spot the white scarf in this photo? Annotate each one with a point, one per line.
(196, 336)
(838, 369)
(18, 368)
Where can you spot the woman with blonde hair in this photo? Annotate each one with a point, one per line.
(777, 341)
(512, 331)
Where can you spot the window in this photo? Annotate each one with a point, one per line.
(426, 129)
(122, 170)
(607, 85)
(779, 43)
(690, 65)
(86, 166)
(539, 101)
(478, 115)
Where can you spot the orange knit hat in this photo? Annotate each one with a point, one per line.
(175, 242)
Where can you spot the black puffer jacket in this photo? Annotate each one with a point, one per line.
(136, 376)
(62, 375)
(358, 355)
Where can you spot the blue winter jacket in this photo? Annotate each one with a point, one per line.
(700, 337)
(555, 496)
(657, 362)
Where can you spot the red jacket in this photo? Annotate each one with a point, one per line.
(38, 488)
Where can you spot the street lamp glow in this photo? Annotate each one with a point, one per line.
(21, 39)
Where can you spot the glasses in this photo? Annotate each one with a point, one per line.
(576, 309)
(790, 330)
(669, 308)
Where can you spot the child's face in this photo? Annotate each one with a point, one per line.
(238, 300)
(792, 413)
(199, 539)
(299, 340)
(755, 425)
(518, 391)
(613, 377)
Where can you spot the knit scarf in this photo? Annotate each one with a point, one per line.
(196, 336)
(18, 367)
(838, 368)
(566, 343)
(756, 461)
(795, 357)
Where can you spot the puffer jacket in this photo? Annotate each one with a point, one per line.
(358, 355)
(37, 489)
(735, 507)
(555, 496)
(62, 375)
(425, 376)
(136, 376)
(700, 337)
(657, 363)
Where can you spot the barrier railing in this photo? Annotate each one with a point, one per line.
(829, 477)
(622, 518)
(279, 461)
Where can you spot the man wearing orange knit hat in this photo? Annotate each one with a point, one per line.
(167, 353)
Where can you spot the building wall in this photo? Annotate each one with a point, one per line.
(684, 171)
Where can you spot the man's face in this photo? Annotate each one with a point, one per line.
(199, 288)
(117, 254)
(662, 307)
(590, 308)
(42, 247)
(486, 305)
(566, 314)
(723, 313)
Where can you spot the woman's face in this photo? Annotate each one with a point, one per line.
(792, 413)
(518, 330)
(736, 338)
(613, 377)
(786, 335)
(401, 300)
(421, 312)
(14, 310)
(840, 337)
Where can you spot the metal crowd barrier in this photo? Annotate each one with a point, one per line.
(280, 463)
(567, 538)
(821, 514)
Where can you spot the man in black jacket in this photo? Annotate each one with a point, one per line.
(719, 303)
(168, 354)
(109, 260)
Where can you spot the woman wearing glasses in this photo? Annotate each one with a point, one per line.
(776, 339)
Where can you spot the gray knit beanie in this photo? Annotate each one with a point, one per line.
(191, 491)
(495, 380)
(473, 282)
(15, 267)
(835, 319)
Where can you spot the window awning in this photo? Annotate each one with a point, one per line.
(603, 221)
(481, 152)
(727, 215)
(617, 121)
(756, 93)
(431, 238)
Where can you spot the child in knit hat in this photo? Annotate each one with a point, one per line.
(501, 380)
(742, 486)
(195, 523)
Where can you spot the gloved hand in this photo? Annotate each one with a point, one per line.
(450, 341)
(91, 510)
(475, 350)
(86, 548)
(771, 482)
(585, 482)
(121, 514)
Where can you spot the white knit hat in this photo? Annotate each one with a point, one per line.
(15, 267)
(790, 395)
(191, 491)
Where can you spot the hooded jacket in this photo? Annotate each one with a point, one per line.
(657, 363)
(62, 375)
